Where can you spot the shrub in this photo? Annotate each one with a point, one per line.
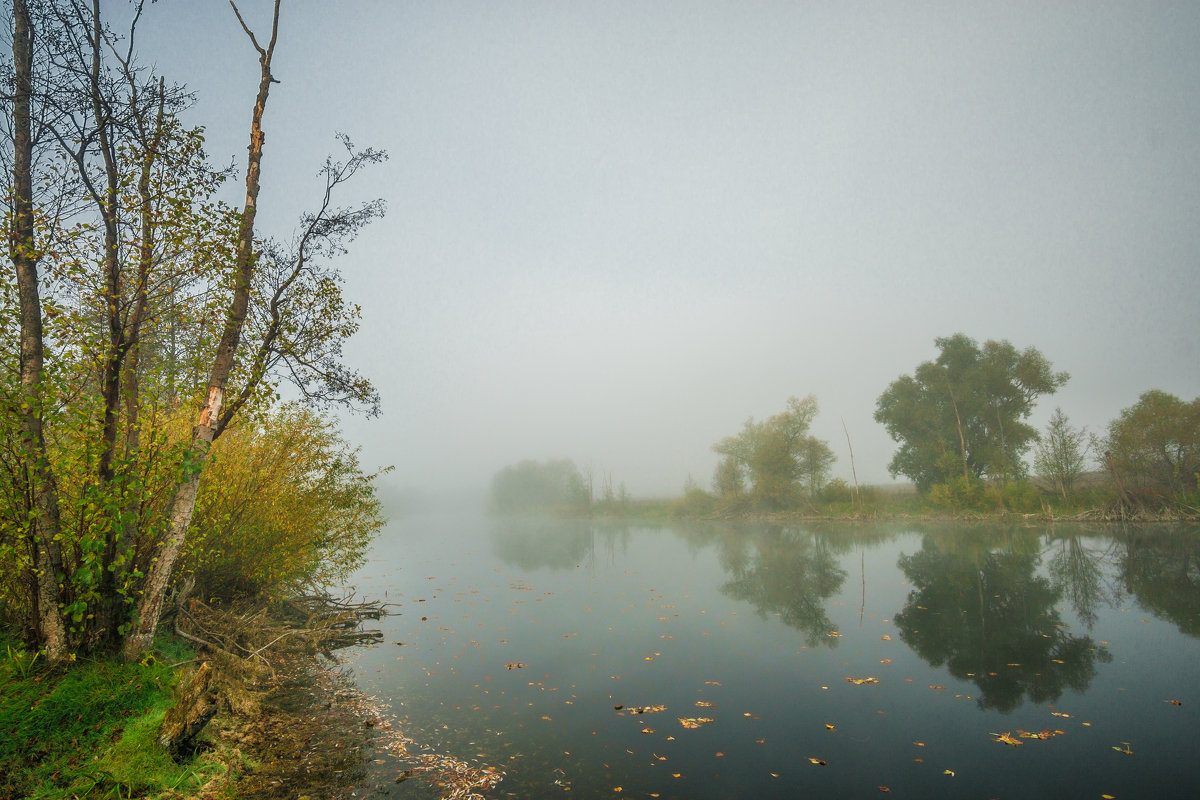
(284, 503)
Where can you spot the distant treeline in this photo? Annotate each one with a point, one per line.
(960, 423)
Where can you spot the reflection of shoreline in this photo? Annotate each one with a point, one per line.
(558, 544)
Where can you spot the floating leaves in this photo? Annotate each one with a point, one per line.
(1173, 702)
(694, 722)
(820, 762)
(862, 681)
(1044, 734)
(1125, 748)
(1007, 738)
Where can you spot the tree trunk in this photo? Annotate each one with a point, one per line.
(183, 503)
(48, 562)
(184, 721)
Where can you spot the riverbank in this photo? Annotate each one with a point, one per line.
(290, 723)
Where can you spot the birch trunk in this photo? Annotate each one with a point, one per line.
(183, 502)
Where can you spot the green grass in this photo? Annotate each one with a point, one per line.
(89, 729)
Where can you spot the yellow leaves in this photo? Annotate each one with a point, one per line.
(1046, 733)
(818, 761)
(1126, 749)
(1173, 702)
(694, 722)
(862, 681)
(1007, 738)
(515, 665)
(1062, 714)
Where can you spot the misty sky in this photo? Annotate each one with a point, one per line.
(618, 229)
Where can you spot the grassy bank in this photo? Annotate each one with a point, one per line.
(90, 729)
(288, 726)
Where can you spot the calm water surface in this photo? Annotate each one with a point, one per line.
(953, 634)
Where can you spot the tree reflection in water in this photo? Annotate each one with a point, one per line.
(1161, 569)
(789, 573)
(559, 544)
(990, 618)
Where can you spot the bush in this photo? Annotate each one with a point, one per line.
(283, 503)
(837, 491)
(695, 503)
(959, 494)
(1020, 497)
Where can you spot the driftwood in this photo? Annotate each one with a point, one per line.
(243, 647)
(183, 722)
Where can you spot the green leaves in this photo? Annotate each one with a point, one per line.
(963, 414)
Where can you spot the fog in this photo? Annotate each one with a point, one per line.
(617, 230)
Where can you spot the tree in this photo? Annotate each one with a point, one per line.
(553, 485)
(1060, 455)
(1155, 443)
(778, 457)
(135, 297)
(963, 413)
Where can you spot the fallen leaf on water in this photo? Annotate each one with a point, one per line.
(949, 772)
(919, 744)
(937, 687)
(718, 754)
(883, 788)
(705, 704)
(1127, 750)
(886, 638)
(694, 722)
(885, 661)
(516, 665)
(817, 761)
(1107, 797)
(1062, 714)
(833, 634)
(861, 681)
(1174, 702)
(828, 726)
(1007, 738)
(774, 774)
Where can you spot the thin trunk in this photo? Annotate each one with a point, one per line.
(183, 502)
(962, 441)
(853, 471)
(48, 561)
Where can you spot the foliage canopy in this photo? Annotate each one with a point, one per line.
(963, 413)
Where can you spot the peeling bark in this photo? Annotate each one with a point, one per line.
(183, 502)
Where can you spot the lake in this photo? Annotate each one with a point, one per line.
(706, 660)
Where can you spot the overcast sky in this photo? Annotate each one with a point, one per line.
(618, 229)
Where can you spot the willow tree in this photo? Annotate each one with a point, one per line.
(963, 414)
